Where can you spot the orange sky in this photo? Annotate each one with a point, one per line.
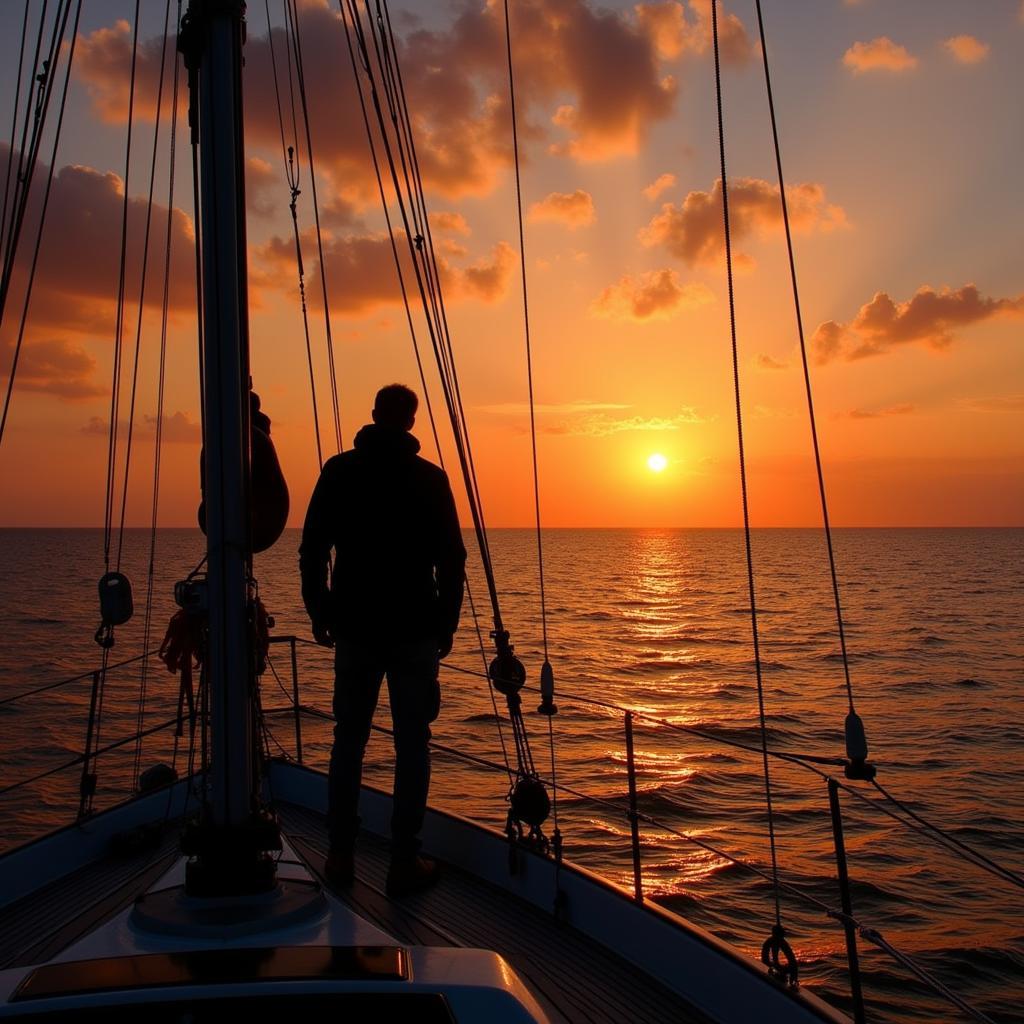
(902, 165)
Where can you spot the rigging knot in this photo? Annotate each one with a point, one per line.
(104, 636)
(774, 950)
(419, 240)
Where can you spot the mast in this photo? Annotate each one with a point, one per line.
(230, 842)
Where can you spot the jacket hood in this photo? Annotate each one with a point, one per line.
(386, 442)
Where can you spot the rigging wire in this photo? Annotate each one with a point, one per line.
(547, 674)
(161, 381)
(292, 171)
(34, 115)
(804, 361)
(115, 396)
(42, 221)
(377, 36)
(425, 262)
(526, 326)
(14, 126)
(419, 363)
(130, 431)
(115, 389)
(291, 10)
(505, 665)
(742, 460)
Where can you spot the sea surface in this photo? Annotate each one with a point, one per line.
(656, 621)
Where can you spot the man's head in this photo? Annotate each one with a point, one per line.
(395, 406)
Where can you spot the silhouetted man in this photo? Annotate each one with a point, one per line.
(391, 610)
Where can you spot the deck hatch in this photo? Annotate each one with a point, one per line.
(215, 967)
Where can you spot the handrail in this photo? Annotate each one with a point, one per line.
(81, 758)
(852, 927)
(75, 679)
(842, 917)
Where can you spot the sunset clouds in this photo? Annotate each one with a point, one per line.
(881, 54)
(592, 419)
(573, 209)
(457, 84)
(54, 366)
(654, 295)
(84, 217)
(692, 230)
(660, 184)
(930, 317)
(361, 275)
(902, 169)
(966, 49)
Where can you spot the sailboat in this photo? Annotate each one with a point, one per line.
(149, 910)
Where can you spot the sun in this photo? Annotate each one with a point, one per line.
(656, 462)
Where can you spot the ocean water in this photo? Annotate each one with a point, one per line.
(656, 621)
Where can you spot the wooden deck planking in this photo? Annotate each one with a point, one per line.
(574, 978)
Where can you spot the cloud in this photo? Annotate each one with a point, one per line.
(766, 362)
(966, 49)
(178, 428)
(77, 280)
(265, 193)
(361, 277)
(103, 61)
(881, 54)
(591, 419)
(874, 414)
(659, 185)
(54, 366)
(455, 79)
(929, 317)
(549, 408)
(487, 279)
(994, 403)
(653, 295)
(674, 33)
(450, 247)
(605, 426)
(573, 209)
(448, 222)
(693, 232)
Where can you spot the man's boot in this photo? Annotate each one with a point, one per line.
(340, 866)
(409, 875)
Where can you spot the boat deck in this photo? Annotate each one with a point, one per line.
(575, 979)
(38, 926)
(572, 977)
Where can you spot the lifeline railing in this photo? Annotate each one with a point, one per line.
(844, 916)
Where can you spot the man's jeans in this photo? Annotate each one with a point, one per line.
(411, 668)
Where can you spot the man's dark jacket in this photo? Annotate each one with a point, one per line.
(399, 565)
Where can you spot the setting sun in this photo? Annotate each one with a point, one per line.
(656, 463)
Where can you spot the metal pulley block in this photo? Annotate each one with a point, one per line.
(506, 671)
(530, 802)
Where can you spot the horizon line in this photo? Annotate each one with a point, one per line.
(627, 526)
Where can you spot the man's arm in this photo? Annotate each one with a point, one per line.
(315, 558)
(451, 569)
